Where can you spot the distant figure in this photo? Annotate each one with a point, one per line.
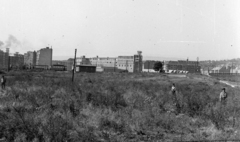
(3, 82)
(223, 95)
(173, 89)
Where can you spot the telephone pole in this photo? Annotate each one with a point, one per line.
(148, 66)
(74, 62)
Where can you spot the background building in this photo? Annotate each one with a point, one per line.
(235, 70)
(83, 61)
(125, 63)
(138, 62)
(67, 63)
(30, 59)
(86, 68)
(223, 69)
(182, 66)
(148, 66)
(106, 64)
(103, 61)
(4, 59)
(16, 61)
(44, 57)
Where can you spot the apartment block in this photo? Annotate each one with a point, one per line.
(30, 59)
(4, 59)
(44, 56)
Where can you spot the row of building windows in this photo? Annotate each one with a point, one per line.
(125, 65)
(103, 62)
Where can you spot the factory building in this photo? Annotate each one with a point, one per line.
(125, 63)
(16, 61)
(106, 64)
(182, 66)
(103, 61)
(114, 64)
(30, 59)
(44, 57)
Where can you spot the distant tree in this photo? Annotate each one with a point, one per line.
(158, 66)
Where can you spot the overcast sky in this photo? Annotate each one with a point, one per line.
(208, 29)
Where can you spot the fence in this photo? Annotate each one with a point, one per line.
(224, 74)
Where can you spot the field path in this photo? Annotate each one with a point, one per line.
(232, 84)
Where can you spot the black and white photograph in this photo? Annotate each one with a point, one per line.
(120, 70)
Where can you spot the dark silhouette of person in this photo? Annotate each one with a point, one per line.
(3, 82)
(223, 95)
(173, 89)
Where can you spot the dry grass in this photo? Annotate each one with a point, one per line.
(116, 107)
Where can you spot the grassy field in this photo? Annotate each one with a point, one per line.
(116, 107)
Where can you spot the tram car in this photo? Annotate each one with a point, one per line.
(39, 68)
(58, 68)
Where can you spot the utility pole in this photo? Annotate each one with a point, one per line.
(126, 64)
(138, 62)
(148, 66)
(114, 64)
(74, 62)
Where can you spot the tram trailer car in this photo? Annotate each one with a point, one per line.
(58, 68)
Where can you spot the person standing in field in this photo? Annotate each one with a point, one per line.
(223, 95)
(173, 89)
(175, 100)
(3, 82)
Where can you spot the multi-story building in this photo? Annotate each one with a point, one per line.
(130, 63)
(4, 59)
(103, 61)
(44, 56)
(138, 58)
(148, 66)
(182, 66)
(125, 63)
(16, 61)
(114, 64)
(30, 59)
(107, 64)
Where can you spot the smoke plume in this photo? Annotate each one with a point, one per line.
(12, 42)
(1, 43)
(15, 45)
